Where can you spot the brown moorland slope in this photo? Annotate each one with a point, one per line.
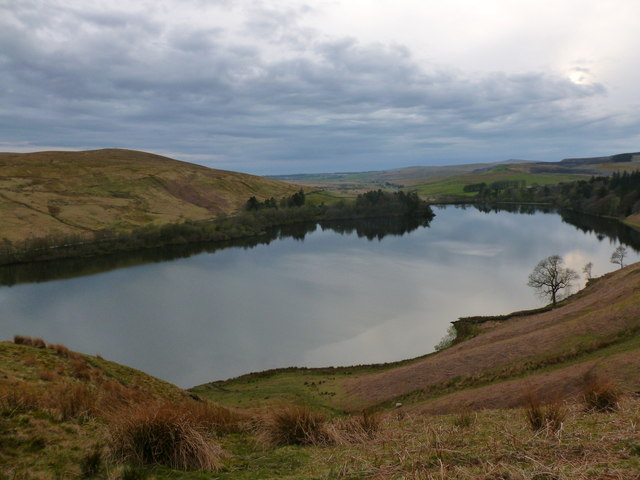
(605, 314)
(63, 193)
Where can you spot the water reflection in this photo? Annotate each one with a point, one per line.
(332, 299)
(375, 228)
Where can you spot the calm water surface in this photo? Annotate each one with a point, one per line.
(329, 299)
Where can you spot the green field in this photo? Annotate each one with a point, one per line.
(455, 185)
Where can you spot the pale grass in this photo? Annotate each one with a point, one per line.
(499, 445)
(161, 434)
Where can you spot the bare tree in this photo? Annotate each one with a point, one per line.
(587, 271)
(550, 276)
(618, 255)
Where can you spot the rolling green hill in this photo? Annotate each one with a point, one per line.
(62, 193)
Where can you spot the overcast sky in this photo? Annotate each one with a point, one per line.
(290, 86)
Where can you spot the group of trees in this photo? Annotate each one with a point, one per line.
(550, 276)
(617, 195)
(392, 203)
(298, 199)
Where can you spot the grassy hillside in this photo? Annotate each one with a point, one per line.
(63, 193)
(53, 402)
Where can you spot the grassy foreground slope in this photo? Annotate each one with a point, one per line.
(62, 193)
(65, 415)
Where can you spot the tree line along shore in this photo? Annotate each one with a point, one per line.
(256, 217)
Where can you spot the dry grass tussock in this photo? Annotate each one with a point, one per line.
(601, 395)
(68, 400)
(292, 425)
(214, 418)
(161, 434)
(39, 343)
(29, 341)
(549, 417)
(299, 425)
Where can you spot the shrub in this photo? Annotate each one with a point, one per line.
(601, 395)
(548, 417)
(161, 434)
(294, 425)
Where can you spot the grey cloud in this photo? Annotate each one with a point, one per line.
(119, 80)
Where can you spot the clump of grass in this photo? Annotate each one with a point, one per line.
(38, 343)
(353, 429)
(29, 360)
(464, 419)
(64, 351)
(601, 395)
(214, 418)
(293, 425)
(133, 473)
(18, 398)
(80, 369)
(46, 375)
(545, 417)
(114, 395)
(91, 463)
(29, 341)
(21, 340)
(162, 435)
(73, 401)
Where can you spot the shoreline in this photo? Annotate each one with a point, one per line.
(216, 230)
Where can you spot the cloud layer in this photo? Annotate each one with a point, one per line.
(263, 87)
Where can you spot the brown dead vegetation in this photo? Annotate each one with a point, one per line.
(162, 434)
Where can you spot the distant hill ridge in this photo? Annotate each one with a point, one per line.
(617, 158)
(437, 181)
